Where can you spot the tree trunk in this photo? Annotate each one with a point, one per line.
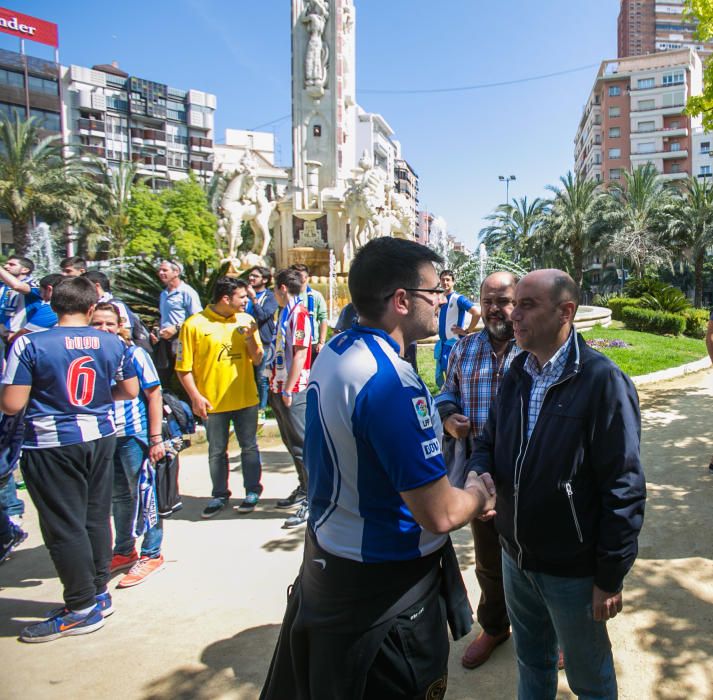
(698, 279)
(20, 235)
(578, 263)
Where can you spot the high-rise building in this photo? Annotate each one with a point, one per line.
(650, 26)
(635, 115)
(115, 117)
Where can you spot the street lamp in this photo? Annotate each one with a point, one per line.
(506, 180)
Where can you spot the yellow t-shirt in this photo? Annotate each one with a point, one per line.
(213, 349)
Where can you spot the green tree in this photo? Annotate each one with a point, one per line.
(145, 226)
(636, 221)
(189, 226)
(690, 221)
(35, 179)
(571, 226)
(513, 227)
(701, 12)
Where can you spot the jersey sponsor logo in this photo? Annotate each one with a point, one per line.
(80, 381)
(299, 335)
(82, 342)
(420, 405)
(431, 448)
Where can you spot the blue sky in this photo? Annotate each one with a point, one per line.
(458, 142)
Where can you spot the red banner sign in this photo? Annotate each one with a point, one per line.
(26, 27)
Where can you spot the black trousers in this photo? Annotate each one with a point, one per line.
(71, 489)
(492, 614)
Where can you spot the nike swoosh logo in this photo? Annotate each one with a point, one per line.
(64, 627)
(322, 562)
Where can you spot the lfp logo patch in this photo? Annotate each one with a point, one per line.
(420, 405)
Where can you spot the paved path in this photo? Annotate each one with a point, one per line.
(205, 627)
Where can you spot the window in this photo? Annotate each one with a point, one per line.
(643, 83)
(705, 170)
(47, 120)
(705, 146)
(675, 168)
(674, 125)
(8, 77)
(614, 132)
(673, 99)
(646, 126)
(614, 111)
(675, 146)
(615, 152)
(646, 147)
(645, 104)
(48, 87)
(673, 78)
(615, 174)
(614, 91)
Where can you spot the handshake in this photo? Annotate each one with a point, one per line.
(483, 488)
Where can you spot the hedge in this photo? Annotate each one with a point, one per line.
(696, 323)
(648, 321)
(616, 304)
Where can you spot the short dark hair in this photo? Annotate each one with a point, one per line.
(264, 272)
(381, 267)
(75, 261)
(225, 286)
(73, 295)
(25, 262)
(291, 278)
(564, 288)
(98, 278)
(51, 280)
(300, 267)
(447, 273)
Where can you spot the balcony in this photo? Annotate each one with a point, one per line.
(92, 151)
(200, 144)
(202, 166)
(90, 125)
(673, 176)
(667, 132)
(668, 155)
(660, 110)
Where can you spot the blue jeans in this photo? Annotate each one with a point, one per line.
(545, 610)
(9, 500)
(263, 383)
(217, 429)
(128, 458)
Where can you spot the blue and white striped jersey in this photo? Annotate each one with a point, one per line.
(452, 313)
(371, 433)
(12, 304)
(70, 371)
(131, 417)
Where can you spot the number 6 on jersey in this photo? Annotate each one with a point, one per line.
(81, 378)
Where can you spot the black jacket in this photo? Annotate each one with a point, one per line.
(570, 500)
(264, 313)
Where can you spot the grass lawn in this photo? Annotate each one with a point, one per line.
(646, 352)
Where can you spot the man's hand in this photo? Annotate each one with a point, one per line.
(156, 452)
(251, 292)
(287, 398)
(168, 332)
(201, 406)
(457, 425)
(247, 330)
(483, 488)
(458, 330)
(319, 347)
(605, 605)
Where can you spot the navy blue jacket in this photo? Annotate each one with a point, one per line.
(570, 500)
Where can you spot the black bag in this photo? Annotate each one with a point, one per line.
(139, 333)
(168, 497)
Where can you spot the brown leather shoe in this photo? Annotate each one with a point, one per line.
(480, 649)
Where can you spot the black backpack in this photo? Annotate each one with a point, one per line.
(139, 333)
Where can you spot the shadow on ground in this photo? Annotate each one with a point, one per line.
(234, 667)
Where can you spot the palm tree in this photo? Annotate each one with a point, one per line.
(36, 180)
(513, 226)
(690, 221)
(637, 222)
(108, 219)
(572, 224)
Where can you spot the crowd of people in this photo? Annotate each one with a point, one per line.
(532, 440)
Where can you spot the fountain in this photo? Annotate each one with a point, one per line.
(42, 250)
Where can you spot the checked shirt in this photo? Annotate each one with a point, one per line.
(543, 379)
(474, 376)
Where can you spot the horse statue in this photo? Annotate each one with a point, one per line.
(364, 201)
(244, 200)
(398, 219)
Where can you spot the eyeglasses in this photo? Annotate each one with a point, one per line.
(435, 290)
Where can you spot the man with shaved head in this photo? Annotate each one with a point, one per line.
(562, 445)
(475, 371)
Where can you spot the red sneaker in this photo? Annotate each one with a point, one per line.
(119, 562)
(140, 571)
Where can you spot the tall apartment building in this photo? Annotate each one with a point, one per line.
(650, 26)
(406, 182)
(635, 115)
(115, 117)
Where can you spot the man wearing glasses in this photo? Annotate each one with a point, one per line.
(367, 614)
(451, 323)
(475, 371)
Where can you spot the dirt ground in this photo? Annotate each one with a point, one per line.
(205, 627)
